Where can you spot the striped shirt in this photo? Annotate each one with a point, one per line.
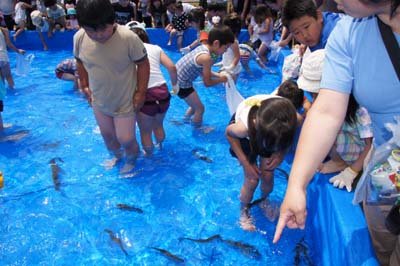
(188, 69)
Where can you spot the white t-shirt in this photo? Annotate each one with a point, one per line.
(3, 48)
(154, 54)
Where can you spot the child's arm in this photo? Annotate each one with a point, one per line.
(84, 80)
(236, 58)
(357, 166)
(258, 59)
(167, 62)
(9, 43)
(234, 132)
(143, 73)
(266, 27)
(42, 40)
(346, 177)
(286, 37)
(205, 61)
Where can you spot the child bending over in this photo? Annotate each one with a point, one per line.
(199, 62)
(260, 133)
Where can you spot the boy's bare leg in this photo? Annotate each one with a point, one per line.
(126, 134)
(107, 130)
(197, 106)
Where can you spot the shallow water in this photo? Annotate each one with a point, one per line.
(180, 194)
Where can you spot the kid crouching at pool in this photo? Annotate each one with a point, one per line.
(152, 114)
(198, 62)
(260, 133)
(110, 58)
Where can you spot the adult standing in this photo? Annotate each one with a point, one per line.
(350, 67)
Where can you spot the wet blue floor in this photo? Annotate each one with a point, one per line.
(173, 195)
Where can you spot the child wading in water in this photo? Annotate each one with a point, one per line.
(152, 114)
(260, 133)
(110, 58)
(199, 62)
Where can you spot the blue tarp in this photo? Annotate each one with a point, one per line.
(340, 234)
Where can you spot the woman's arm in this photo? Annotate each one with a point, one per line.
(319, 132)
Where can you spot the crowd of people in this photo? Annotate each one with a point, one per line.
(341, 122)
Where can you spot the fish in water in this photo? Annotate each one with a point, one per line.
(116, 240)
(55, 171)
(199, 153)
(245, 248)
(14, 137)
(202, 240)
(126, 207)
(301, 254)
(169, 255)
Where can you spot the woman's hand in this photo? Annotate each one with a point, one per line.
(293, 211)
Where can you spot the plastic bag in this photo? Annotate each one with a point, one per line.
(275, 51)
(233, 97)
(380, 182)
(23, 66)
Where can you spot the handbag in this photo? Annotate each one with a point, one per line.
(392, 220)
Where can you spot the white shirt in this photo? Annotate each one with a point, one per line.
(154, 54)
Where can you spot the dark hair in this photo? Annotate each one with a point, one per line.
(179, 5)
(296, 9)
(234, 22)
(70, 2)
(261, 13)
(271, 126)
(169, 2)
(49, 3)
(95, 14)
(197, 15)
(292, 92)
(351, 112)
(141, 34)
(222, 34)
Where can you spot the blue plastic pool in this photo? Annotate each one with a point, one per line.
(180, 196)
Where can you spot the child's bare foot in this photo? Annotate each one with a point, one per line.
(246, 221)
(332, 167)
(110, 163)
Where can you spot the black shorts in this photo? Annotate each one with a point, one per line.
(1, 106)
(183, 93)
(244, 142)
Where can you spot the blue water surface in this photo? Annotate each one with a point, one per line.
(179, 194)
